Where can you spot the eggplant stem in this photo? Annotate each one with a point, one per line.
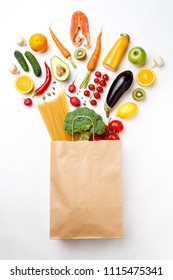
(107, 109)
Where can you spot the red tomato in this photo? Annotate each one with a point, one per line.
(86, 92)
(96, 80)
(93, 102)
(97, 138)
(98, 74)
(115, 125)
(97, 95)
(102, 83)
(99, 89)
(105, 77)
(91, 87)
(113, 136)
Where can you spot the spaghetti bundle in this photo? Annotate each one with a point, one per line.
(53, 113)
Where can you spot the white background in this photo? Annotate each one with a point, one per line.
(146, 143)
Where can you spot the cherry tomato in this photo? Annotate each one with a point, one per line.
(105, 77)
(113, 136)
(93, 102)
(99, 89)
(96, 80)
(97, 138)
(102, 83)
(98, 74)
(91, 87)
(86, 92)
(97, 95)
(115, 125)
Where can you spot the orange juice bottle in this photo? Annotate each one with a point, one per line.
(116, 53)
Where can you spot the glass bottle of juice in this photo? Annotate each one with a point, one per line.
(116, 53)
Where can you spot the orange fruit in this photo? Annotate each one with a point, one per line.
(145, 77)
(38, 42)
(23, 84)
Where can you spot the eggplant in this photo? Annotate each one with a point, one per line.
(119, 86)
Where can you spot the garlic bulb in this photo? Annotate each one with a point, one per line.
(21, 41)
(13, 69)
(158, 61)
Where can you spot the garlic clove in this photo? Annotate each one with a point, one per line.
(21, 41)
(158, 61)
(18, 71)
(154, 64)
(13, 69)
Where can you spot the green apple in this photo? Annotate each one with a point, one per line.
(137, 56)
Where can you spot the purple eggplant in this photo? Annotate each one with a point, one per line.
(119, 86)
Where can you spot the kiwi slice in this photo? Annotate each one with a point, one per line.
(139, 94)
(80, 53)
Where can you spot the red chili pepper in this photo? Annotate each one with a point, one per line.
(46, 83)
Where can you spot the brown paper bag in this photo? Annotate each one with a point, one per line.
(85, 197)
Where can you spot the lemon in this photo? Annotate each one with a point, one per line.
(127, 110)
(24, 84)
(145, 77)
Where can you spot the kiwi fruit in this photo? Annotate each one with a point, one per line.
(139, 94)
(80, 54)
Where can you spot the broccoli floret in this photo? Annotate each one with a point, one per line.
(83, 126)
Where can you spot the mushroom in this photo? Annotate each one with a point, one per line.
(21, 41)
(158, 61)
(13, 69)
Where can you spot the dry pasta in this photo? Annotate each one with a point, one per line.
(53, 113)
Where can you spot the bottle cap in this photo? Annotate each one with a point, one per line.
(125, 34)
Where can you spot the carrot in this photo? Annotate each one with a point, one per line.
(62, 49)
(92, 63)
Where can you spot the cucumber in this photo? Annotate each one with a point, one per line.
(34, 63)
(20, 58)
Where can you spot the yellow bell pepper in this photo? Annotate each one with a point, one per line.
(116, 53)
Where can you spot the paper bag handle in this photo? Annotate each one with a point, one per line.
(81, 117)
